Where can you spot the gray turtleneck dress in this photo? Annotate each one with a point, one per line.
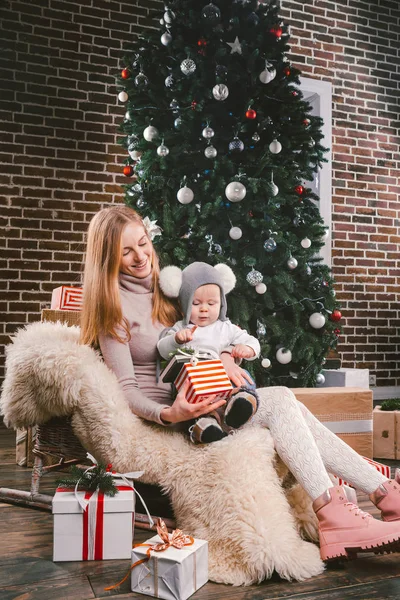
(135, 362)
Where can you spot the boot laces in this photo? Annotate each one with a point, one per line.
(357, 510)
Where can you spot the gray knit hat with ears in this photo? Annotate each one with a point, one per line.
(182, 284)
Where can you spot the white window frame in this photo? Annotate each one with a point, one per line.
(323, 90)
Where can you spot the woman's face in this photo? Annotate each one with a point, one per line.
(136, 251)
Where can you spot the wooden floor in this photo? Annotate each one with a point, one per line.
(27, 571)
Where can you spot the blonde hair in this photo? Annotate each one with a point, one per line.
(101, 312)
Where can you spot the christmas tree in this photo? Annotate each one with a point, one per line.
(221, 144)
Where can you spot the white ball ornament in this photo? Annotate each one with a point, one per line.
(275, 147)
(317, 320)
(292, 263)
(235, 233)
(267, 75)
(320, 379)
(266, 363)
(306, 243)
(235, 191)
(166, 38)
(220, 91)
(283, 356)
(274, 189)
(185, 195)
(261, 288)
(169, 16)
(150, 133)
(123, 96)
(135, 155)
(127, 116)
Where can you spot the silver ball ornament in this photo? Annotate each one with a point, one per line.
(178, 123)
(236, 145)
(127, 116)
(210, 152)
(270, 245)
(169, 81)
(235, 191)
(255, 137)
(220, 91)
(275, 147)
(141, 80)
(283, 356)
(185, 195)
(254, 277)
(123, 96)
(235, 233)
(261, 329)
(292, 263)
(188, 66)
(273, 188)
(317, 320)
(266, 363)
(207, 132)
(305, 243)
(211, 14)
(150, 133)
(169, 16)
(162, 150)
(261, 288)
(320, 379)
(166, 38)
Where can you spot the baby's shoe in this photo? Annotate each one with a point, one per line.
(387, 498)
(241, 406)
(206, 430)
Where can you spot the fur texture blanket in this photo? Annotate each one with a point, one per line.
(229, 493)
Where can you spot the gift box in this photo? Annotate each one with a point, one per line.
(173, 574)
(345, 378)
(66, 298)
(386, 433)
(173, 368)
(103, 531)
(206, 377)
(345, 411)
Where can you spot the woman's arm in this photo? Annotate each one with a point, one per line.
(118, 359)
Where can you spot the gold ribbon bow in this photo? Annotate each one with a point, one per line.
(177, 539)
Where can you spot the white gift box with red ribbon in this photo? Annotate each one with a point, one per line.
(206, 377)
(102, 531)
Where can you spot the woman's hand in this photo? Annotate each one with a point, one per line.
(236, 374)
(182, 410)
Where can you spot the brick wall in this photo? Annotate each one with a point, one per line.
(60, 162)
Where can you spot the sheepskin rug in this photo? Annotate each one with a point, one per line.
(230, 493)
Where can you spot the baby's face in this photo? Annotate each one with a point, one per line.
(206, 305)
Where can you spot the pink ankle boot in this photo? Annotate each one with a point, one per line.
(344, 529)
(387, 498)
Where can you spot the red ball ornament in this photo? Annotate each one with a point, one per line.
(202, 42)
(128, 170)
(295, 94)
(194, 104)
(109, 467)
(306, 122)
(299, 189)
(287, 71)
(125, 74)
(277, 32)
(251, 114)
(336, 315)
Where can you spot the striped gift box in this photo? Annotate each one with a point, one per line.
(384, 469)
(67, 298)
(207, 377)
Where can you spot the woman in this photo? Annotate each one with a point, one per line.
(124, 312)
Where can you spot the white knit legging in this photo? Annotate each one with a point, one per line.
(308, 448)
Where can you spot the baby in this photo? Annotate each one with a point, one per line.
(201, 289)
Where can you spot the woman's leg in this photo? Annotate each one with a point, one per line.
(280, 412)
(340, 459)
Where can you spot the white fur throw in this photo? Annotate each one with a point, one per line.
(228, 492)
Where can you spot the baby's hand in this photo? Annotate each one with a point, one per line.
(242, 351)
(185, 335)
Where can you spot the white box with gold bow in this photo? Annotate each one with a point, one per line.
(172, 572)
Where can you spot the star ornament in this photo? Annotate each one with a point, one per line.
(151, 228)
(235, 46)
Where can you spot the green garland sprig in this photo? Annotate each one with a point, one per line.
(99, 478)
